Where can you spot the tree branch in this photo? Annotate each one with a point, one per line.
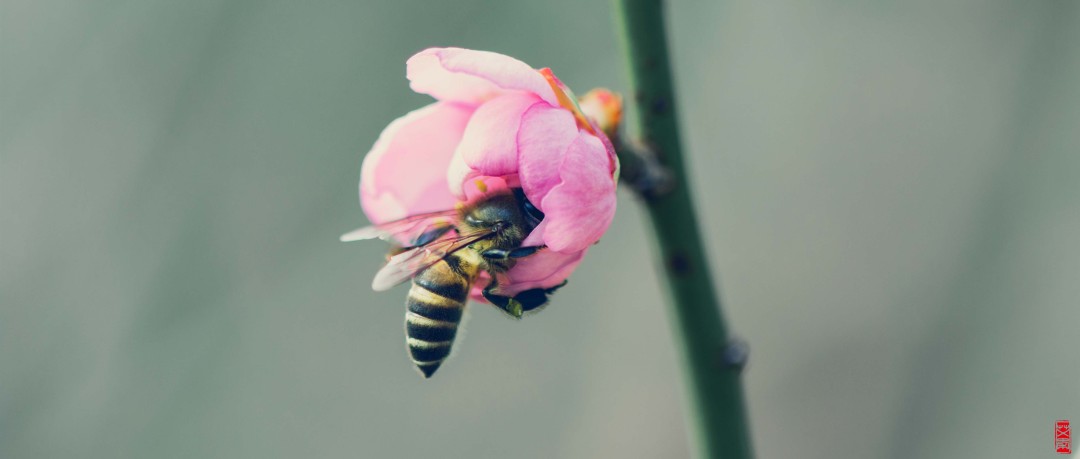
(711, 361)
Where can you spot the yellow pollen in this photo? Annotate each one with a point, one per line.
(480, 185)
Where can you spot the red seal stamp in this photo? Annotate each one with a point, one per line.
(1063, 437)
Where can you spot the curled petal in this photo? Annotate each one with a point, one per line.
(569, 174)
(580, 208)
(405, 171)
(489, 146)
(469, 76)
(546, 133)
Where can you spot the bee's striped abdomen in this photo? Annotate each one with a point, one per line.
(434, 306)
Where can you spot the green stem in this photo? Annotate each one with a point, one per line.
(711, 360)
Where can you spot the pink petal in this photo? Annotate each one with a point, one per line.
(489, 145)
(481, 186)
(405, 171)
(469, 76)
(546, 133)
(580, 208)
(545, 269)
(458, 174)
(536, 237)
(476, 293)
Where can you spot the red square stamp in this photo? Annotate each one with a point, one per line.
(1063, 437)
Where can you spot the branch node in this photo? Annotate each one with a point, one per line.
(735, 354)
(642, 171)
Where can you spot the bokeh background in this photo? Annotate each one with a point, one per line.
(890, 191)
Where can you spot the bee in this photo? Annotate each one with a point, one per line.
(449, 249)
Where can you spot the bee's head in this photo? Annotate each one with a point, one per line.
(510, 216)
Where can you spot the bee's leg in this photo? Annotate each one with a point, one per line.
(532, 299)
(528, 300)
(522, 252)
(506, 304)
(524, 301)
(557, 287)
(500, 259)
(536, 298)
(503, 255)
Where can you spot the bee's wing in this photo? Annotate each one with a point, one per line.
(405, 265)
(406, 229)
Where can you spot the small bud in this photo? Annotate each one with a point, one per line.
(603, 107)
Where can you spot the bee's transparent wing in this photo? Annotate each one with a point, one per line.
(409, 229)
(405, 265)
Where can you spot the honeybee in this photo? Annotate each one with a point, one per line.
(449, 250)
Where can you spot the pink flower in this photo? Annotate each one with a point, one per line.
(496, 123)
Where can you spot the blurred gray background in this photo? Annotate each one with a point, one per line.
(890, 190)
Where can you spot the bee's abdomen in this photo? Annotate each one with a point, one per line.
(435, 304)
